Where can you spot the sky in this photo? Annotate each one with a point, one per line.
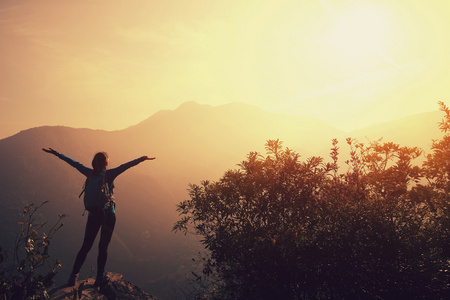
(109, 64)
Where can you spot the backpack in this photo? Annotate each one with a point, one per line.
(96, 192)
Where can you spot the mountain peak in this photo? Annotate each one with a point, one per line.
(188, 104)
(192, 105)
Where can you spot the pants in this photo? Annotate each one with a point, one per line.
(94, 223)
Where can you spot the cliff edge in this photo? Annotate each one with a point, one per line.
(116, 288)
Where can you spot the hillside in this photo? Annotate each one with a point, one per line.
(202, 141)
(417, 130)
(191, 143)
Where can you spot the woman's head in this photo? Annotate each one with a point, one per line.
(100, 161)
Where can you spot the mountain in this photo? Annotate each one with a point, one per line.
(192, 143)
(197, 139)
(417, 130)
(145, 205)
(414, 131)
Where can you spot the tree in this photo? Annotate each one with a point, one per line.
(436, 193)
(248, 216)
(31, 269)
(282, 228)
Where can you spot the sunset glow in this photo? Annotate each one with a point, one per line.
(111, 65)
(299, 148)
(360, 33)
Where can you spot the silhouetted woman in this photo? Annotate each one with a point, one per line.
(104, 219)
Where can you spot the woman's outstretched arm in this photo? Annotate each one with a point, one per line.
(80, 167)
(113, 173)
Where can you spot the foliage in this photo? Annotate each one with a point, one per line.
(32, 269)
(282, 228)
(436, 193)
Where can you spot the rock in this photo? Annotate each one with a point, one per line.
(116, 289)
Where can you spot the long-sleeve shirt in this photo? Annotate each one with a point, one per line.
(110, 174)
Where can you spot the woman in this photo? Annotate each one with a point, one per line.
(104, 219)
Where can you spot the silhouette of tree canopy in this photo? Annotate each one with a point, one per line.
(279, 227)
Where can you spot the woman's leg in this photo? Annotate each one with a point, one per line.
(105, 238)
(93, 224)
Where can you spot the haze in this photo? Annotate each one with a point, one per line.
(111, 64)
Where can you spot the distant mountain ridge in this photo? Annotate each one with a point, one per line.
(416, 130)
(192, 143)
(221, 136)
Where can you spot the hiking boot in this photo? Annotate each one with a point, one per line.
(72, 279)
(101, 280)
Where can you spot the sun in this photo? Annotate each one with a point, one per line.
(359, 33)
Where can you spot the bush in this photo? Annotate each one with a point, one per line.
(31, 269)
(282, 228)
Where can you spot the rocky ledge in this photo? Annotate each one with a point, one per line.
(116, 289)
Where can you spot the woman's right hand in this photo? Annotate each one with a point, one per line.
(49, 150)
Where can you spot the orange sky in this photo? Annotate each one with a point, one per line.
(110, 64)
